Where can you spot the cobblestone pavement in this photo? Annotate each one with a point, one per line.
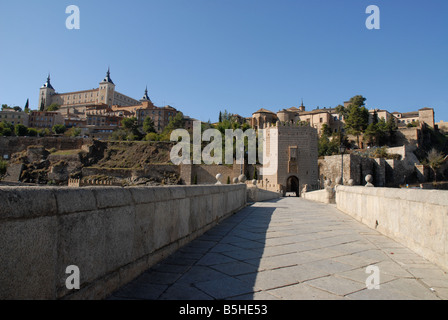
(289, 249)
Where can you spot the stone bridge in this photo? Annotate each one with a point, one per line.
(207, 242)
(290, 249)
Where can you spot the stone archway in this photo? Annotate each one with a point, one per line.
(293, 185)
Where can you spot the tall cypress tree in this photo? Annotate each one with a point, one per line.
(27, 106)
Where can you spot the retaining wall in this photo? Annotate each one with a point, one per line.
(416, 218)
(112, 234)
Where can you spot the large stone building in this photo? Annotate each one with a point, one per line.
(424, 115)
(443, 126)
(45, 119)
(98, 106)
(319, 117)
(160, 116)
(78, 101)
(14, 117)
(315, 118)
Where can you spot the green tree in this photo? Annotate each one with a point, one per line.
(375, 118)
(6, 107)
(176, 122)
(119, 135)
(226, 116)
(59, 129)
(44, 132)
(152, 136)
(327, 146)
(148, 125)
(131, 126)
(27, 106)
(326, 130)
(6, 129)
(20, 130)
(357, 117)
(341, 110)
(3, 167)
(53, 107)
(73, 132)
(413, 124)
(32, 132)
(435, 160)
(370, 134)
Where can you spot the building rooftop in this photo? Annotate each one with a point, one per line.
(262, 110)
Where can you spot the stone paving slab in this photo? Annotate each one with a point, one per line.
(290, 249)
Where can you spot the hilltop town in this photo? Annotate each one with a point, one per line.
(103, 135)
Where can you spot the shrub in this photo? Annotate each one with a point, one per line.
(59, 129)
(20, 130)
(152, 136)
(7, 132)
(3, 167)
(119, 135)
(73, 132)
(32, 132)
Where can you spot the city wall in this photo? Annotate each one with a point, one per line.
(11, 145)
(112, 234)
(416, 218)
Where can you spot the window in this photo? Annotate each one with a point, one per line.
(293, 153)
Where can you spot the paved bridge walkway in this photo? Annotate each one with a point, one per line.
(289, 249)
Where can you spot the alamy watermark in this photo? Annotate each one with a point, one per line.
(234, 144)
(373, 20)
(73, 281)
(73, 21)
(373, 280)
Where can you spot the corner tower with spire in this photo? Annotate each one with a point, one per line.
(106, 90)
(45, 94)
(146, 101)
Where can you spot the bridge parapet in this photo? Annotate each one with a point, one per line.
(112, 234)
(416, 218)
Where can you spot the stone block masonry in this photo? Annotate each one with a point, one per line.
(112, 234)
(416, 218)
(11, 145)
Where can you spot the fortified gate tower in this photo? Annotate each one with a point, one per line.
(296, 149)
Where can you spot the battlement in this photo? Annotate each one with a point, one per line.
(77, 183)
(285, 127)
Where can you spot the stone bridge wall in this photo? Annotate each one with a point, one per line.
(112, 234)
(416, 218)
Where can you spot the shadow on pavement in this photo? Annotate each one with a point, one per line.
(221, 264)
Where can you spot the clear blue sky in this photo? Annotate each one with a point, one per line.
(203, 56)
